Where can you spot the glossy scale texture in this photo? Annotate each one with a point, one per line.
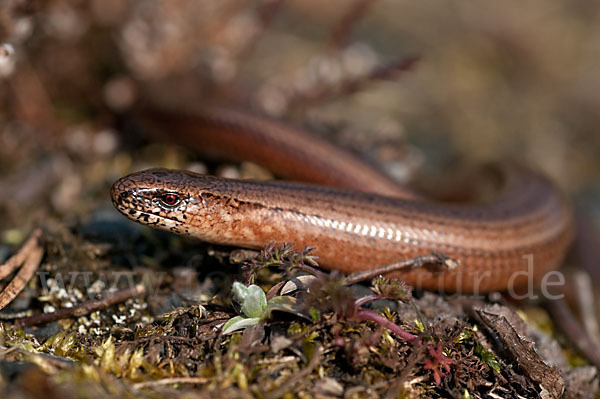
(529, 219)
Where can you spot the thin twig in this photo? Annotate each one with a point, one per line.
(389, 71)
(84, 308)
(32, 253)
(17, 259)
(274, 290)
(588, 253)
(311, 270)
(585, 295)
(172, 381)
(354, 84)
(15, 315)
(403, 265)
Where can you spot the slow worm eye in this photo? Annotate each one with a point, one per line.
(169, 199)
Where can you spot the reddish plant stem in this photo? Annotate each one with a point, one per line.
(367, 314)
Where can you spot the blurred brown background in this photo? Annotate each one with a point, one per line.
(429, 82)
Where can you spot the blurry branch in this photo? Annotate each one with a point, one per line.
(84, 308)
(341, 31)
(572, 329)
(354, 84)
(435, 258)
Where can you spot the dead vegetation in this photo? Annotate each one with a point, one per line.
(115, 310)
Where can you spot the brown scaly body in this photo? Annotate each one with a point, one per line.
(355, 231)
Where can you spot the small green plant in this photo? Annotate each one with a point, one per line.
(488, 358)
(255, 307)
(329, 293)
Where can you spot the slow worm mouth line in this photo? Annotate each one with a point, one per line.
(127, 212)
(139, 214)
(530, 216)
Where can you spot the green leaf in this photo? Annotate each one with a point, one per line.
(419, 325)
(240, 291)
(239, 323)
(252, 299)
(314, 314)
(488, 358)
(463, 336)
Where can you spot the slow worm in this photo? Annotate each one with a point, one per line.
(365, 221)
